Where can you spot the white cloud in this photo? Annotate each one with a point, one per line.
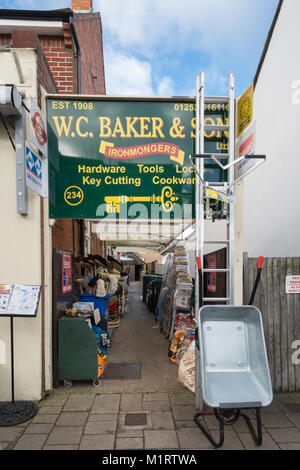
(126, 75)
(165, 87)
(172, 25)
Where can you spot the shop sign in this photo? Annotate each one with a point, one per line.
(127, 157)
(66, 273)
(36, 172)
(38, 128)
(292, 285)
(245, 110)
(246, 146)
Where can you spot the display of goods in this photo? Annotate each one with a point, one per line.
(186, 370)
(101, 362)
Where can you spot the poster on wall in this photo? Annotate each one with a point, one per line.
(36, 172)
(292, 284)
(66, 273)
(245, 110)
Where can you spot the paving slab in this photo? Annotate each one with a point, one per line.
(231, 440)
(183, 412)
(50, 410)
(106, 403)
(156, 405)
(131, 402)
(60, 447)
(79, 402)
(182, 399)
(290, 446)
(162, 420)
(161, 440)
(10, 433)
(37, 428)
(276, 420)
(190, 438)
(6, 445)
(72, 418)
(97, 442)
(103, 417)
(65, 435)
(45, 418)
(129, 443)
(155, 396)
(285, 436)
(31, 442)
(123, 433)
(104, 427)
(267, 444)
(295, 419)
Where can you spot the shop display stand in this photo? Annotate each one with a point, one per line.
(27, 297)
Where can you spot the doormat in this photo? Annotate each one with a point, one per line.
(136, 419)
(122, 371)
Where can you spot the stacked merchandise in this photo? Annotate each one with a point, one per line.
(175, 313)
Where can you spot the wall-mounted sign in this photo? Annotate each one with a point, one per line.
(66, 273)
(38, 128)
(36, 172)
(246, 146)
(292, 284)
(127, 158)
(245, 110)
(17, 300)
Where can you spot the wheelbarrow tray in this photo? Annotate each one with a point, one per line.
(234, 365)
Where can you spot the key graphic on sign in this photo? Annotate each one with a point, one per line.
(167, 199)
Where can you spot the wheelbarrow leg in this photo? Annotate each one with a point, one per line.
(208, 434)
(256, 436)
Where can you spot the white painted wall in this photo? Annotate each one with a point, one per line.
(20, 252)
(271, 203)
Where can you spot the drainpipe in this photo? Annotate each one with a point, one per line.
(78, 53)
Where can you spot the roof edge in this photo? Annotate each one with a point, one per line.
(267, 43)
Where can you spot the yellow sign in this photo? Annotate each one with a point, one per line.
(245, 110)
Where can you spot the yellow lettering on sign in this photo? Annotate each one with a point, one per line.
(62, 126)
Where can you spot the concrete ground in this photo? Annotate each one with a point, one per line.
(86, 418)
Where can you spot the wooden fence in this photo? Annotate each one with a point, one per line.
(281, 316)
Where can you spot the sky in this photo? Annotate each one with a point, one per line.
(157, 47)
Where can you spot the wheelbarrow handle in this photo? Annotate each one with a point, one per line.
(258, 275)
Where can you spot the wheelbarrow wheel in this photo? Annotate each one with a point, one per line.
(97, 382)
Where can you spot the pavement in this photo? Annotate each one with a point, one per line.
(153, 412)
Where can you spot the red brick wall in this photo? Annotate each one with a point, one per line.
(60, 56)
(89, 32)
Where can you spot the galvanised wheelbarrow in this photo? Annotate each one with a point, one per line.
(234, 367)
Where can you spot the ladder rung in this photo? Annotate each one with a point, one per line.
(215, 127)
(216, 242)
(206, 270)
(216, 99)
(215, 299)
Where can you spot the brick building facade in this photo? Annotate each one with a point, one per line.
(69, 48)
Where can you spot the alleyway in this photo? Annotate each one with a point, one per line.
(153, 412)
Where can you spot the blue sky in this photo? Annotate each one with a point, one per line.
(156, 47)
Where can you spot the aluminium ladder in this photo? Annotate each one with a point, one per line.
(201, 186)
